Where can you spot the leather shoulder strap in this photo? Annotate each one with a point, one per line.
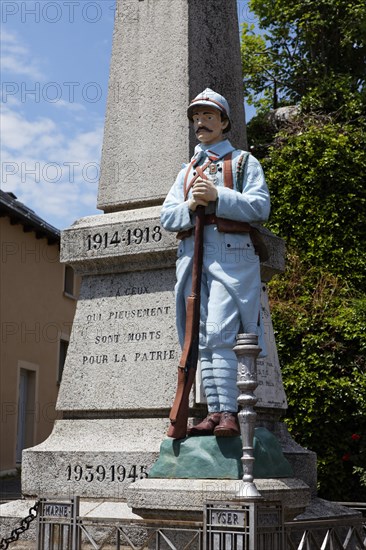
(185, 190)
(228, 172)
(240, 170)
(199, 173)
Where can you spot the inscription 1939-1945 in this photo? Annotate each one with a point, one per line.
(137, 236)
(100, 473)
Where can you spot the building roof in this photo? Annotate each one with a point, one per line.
(19, 213)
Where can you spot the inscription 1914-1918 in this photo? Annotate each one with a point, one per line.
(137, 236)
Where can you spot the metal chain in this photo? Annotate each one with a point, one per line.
(24, 526)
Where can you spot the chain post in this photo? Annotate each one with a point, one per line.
(24, 526)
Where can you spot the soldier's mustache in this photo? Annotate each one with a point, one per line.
(203, 128)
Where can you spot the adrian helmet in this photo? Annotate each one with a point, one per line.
(212, 99)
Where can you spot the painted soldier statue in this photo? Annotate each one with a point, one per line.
(230, 185)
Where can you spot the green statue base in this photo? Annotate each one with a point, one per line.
(209, 457)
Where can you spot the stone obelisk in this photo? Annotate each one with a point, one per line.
(164, 54)
(120, 373)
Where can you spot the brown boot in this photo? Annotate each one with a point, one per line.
(207, 426)
(228, 426)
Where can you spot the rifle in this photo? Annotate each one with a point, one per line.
(188, 361)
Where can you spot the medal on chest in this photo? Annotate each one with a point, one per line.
(212, 169)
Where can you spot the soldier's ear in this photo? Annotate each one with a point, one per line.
(224, 122)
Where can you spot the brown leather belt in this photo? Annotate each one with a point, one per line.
(210, 219)
(223, 225)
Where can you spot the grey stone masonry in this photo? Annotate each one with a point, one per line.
(119, 377)
(133, 240)
(160, 497)
(120, 373)
(164, 53)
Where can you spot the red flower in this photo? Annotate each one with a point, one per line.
(346, 457)
(355, 437)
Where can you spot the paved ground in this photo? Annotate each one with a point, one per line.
(10, 488)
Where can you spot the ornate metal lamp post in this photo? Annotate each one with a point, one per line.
(247, 351)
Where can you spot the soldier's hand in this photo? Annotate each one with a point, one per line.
(193, 203)
(204, 190)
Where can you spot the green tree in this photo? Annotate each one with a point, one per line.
(315, 170)
(309, 50)
(313, 54)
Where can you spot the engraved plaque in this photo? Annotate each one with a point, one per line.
(124, 351)
(270, 391)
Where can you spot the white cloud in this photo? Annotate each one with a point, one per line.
(18, 132)
(49, 171)
(16, 58)
(12, 101)
(50, 151)
(61, 103)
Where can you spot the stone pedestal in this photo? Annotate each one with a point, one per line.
(164, 498)
(120, 374)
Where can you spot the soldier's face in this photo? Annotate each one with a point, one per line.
(208, 125)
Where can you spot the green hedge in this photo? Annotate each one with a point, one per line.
(316, 174)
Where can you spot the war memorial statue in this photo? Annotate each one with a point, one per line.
(225, 189)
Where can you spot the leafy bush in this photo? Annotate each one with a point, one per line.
(320, 327)
(317, 180)
(315, 171)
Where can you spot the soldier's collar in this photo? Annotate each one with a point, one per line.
(216, 151)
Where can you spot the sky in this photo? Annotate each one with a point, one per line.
(55, 58)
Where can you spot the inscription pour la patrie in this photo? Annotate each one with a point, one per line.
(109, 240)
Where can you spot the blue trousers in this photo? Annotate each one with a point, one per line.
(219, 325)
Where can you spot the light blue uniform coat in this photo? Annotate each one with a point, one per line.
(230, 294)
